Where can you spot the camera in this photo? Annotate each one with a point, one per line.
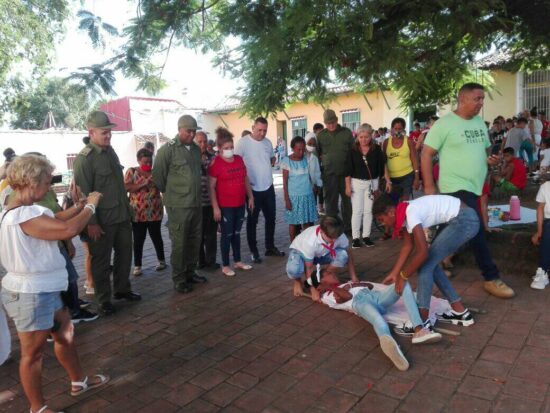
(9, 154)
(57, 179)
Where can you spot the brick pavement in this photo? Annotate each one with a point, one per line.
(246, 345)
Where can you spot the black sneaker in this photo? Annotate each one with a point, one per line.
(256, 259)
(274, 252)
(367, 241)
(106, 309)
(356, 243)
(465, 318)
(404, 330)
(84, 303)
(83, 316)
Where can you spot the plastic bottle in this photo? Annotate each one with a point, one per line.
(515, 208)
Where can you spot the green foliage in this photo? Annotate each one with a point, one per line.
(296, 49)
(28, 34)
(95, 27)
(69, 103)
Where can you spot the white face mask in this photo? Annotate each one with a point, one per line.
(310, 148)
(227, 153)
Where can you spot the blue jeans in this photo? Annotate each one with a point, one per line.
(484, 260)
(544, 247)
(371, 305)
(295, 266)
(458, 231)
(264, 201)
(231, 224)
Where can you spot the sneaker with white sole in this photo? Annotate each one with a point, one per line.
(540, 280)
(425, 336)
(137, 271)
(89, 290)
(404, 330)
(464, 319)
(393, 351)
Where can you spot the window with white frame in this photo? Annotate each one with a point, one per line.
(299, 127)
(351, 119)
(536, 90)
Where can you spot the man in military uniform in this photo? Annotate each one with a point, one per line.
(177, 173)
(97, 168)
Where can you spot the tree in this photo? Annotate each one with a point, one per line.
(96, 28)
(296, 49)
(28, 34)
(69, 103)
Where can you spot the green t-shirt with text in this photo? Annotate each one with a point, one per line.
(462, 146)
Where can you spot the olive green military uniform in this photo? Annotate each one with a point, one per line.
(333, 148)
(177, 173)
(97, 169)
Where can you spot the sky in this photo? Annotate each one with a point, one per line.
(191, 77)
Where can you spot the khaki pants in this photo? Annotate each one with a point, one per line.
(185, 229)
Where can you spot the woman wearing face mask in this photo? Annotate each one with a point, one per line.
(229, 188)
(301, 209)
(146, 202)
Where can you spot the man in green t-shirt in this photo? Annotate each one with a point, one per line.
(461, 139)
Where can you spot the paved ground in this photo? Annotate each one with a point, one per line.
(246, 345)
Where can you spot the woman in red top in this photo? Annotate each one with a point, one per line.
(229, 187)
(146, 203)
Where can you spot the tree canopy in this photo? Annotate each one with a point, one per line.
(70, 104)
(296, 49)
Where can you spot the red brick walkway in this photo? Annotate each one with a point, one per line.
(246, 345)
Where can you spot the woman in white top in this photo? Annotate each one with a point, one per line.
(36, 275)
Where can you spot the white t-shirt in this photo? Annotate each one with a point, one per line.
(33, 265)
(257, 158)
(431, 210)
(543, 196)
(545, 163)
(310, 244)
(329, 299)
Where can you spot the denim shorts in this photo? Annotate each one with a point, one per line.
(30, 311)
(402, 185)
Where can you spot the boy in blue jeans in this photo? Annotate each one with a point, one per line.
(462, 224)
(323, 244)
(369, 303)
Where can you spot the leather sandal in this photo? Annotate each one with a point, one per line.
(84, 386)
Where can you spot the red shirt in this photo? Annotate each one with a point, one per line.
(230, 185)
(519, 175)
(545, 126)
(415, 134)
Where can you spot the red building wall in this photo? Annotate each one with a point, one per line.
(119, 113)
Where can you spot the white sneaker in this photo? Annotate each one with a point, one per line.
(393, 351)
(540, 280)
(426, 335)
(89, 290)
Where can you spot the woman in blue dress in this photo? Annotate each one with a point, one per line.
(301, 208)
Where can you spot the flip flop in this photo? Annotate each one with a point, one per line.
(84, 386)
(244, 267)
(228, 273)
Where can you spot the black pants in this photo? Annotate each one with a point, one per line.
(207, 253)
(264, 201)
(140, 232)
(334, 187)
(478, 243)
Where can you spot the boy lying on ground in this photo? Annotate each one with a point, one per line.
(424, 212)
(324, 244)
(362, 299)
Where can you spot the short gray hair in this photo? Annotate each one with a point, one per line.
(365, 127)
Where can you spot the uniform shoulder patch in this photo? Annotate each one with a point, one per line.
(86, 151)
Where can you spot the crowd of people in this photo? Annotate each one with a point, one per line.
(336, 184)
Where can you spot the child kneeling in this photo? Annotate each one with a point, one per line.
(323, 244)
(417, 215)
(361, 299)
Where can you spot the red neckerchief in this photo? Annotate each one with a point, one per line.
(400, 217)
(330, 247)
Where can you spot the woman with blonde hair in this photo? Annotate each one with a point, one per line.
(31, 289)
